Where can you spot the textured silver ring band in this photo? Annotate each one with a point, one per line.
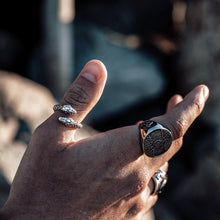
(67, 109)
(160, 179)
(69, 122)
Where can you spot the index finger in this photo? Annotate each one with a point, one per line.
(179, 119)
(125, 143)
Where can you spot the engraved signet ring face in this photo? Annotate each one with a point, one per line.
(155, 138)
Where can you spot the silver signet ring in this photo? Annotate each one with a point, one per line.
(160, 179)
(155, 138)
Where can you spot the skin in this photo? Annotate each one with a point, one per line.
(106, 176)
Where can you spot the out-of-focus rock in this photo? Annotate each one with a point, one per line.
(23, 106)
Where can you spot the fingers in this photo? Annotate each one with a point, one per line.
(124, 143)
(173, 102)
(143, 201)
(135, 206)
(180, 118)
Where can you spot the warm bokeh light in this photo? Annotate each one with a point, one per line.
(66, 10)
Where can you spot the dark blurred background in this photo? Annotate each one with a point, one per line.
(152, 50)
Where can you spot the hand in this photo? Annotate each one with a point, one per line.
(106, 176)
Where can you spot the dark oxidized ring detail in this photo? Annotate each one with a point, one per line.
(67, 109)
(155, 138)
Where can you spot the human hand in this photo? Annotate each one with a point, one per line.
(105, 176)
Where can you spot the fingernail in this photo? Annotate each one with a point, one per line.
(89, 77)
(205, 91)
(92, 72)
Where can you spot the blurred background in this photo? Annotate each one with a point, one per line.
(152, 49)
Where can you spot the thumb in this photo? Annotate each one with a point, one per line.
(82, 95)
(87, 89)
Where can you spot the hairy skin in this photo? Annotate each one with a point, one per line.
(105, 176)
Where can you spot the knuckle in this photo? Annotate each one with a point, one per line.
(179, 143)
(198, 107)
(140, 182)
(152, 201)
(135, 209)
(178, 129)
(77, 96)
